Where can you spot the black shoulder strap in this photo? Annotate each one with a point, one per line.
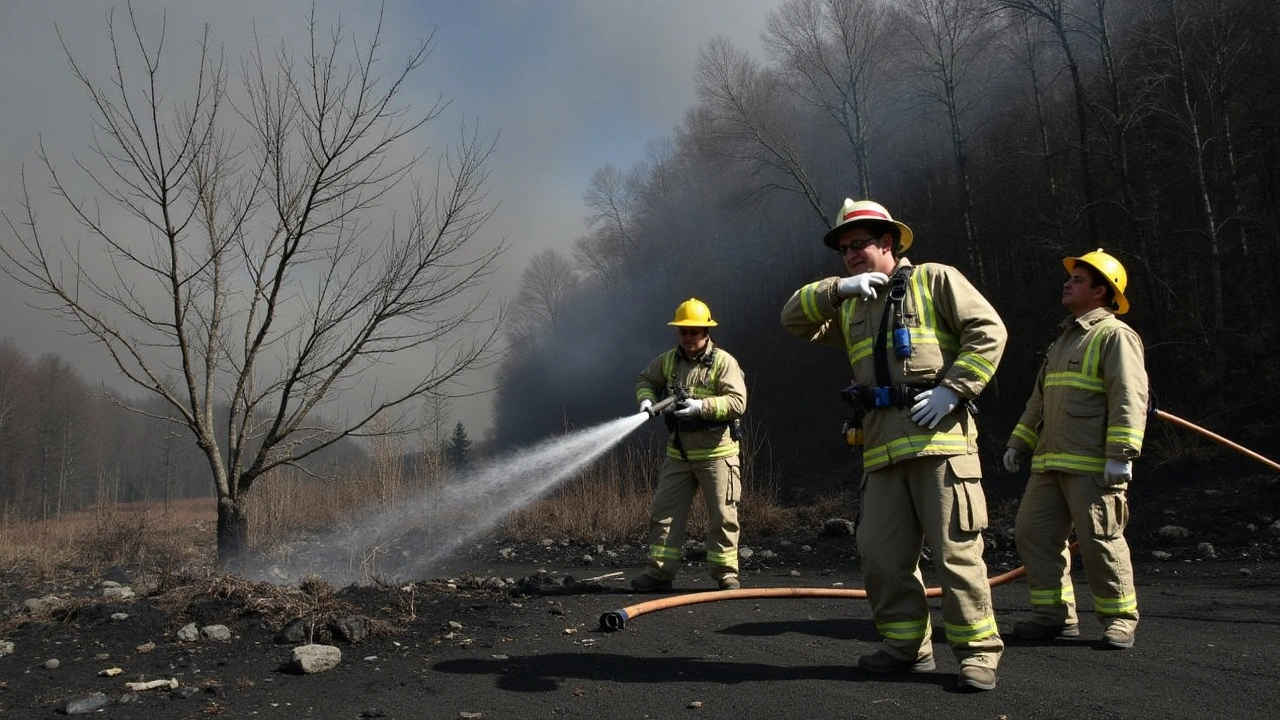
(880, 351)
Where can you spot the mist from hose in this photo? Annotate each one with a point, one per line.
(413, 539)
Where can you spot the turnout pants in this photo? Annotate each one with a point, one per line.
(1054, 503)
(721, 483)
(903, 505)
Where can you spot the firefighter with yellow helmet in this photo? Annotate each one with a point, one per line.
(923, 343)
(1082, 428)
(702, 453)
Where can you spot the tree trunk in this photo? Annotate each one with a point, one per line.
(233, 531)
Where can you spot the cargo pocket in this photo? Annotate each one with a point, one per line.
(970, 500)
(733, 488)
(1110, 515)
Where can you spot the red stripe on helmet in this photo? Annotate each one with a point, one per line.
(860, 213)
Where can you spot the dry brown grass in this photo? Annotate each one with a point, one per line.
(608, 503)
(142, 536)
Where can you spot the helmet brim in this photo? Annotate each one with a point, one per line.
(905, 236)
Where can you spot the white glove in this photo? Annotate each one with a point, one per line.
(1012, 460)
(933, 405)
(645, 404)
(1118, 471)
(690, 408)
(863, 285)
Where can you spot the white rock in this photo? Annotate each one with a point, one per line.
(312, 659)
(220, 633)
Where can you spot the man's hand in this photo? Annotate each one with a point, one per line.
(1118, 471)
(645, 404)
(1012, 460)
(863, 285)
(933, 405)
(690, 408)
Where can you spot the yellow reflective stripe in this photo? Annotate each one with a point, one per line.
(718, 451)
(1075, 380)
(1026, 435)
(923, 298)
(976, 364)
(913, 445)
(905, 630)
(664, 552)
(729, 557)
(1123, 605)
(1054, 596)
(668, 364)
(859, 350)
(645, 394)
(1093, 354)
(809, 302)
(1067, 461)
(969, 633)
(1125, 435)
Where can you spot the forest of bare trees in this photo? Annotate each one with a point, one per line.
(1008, 134)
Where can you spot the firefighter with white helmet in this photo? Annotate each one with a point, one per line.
(923, 343)
(1082, 428)
(702, 453)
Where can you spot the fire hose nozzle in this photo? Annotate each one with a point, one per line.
(668, 403)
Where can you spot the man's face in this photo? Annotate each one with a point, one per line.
(863, 252)
(693, 340)
(1079, 294)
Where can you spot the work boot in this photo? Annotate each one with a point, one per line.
(881, 661)
(1118, 636)
(976, 677)
(729, 583)
(650, 584)
(1036, 631)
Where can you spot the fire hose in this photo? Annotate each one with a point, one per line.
(617, 619)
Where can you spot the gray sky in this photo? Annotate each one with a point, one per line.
(569, 85)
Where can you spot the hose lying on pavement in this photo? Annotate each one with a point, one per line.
(617, 619)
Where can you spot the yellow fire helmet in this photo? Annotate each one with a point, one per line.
(693, 313)
(852, 213)
(1110, 268)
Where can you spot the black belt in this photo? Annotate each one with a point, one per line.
(882, 396)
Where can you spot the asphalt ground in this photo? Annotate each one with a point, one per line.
(1208, 646)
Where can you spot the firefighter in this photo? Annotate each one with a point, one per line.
(1082, 427)
(923, 343)
(702, 451)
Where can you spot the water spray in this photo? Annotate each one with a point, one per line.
(450, 514)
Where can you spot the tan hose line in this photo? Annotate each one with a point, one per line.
(1217, 438)
(617, 619)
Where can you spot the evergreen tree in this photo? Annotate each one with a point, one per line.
(458, 451)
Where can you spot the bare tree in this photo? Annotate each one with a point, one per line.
(1189, 109)
(1055, 14)
(748, 123)
(268, 275)
(546, 286)
(611, 200)
(834, 51)
(948, 38)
